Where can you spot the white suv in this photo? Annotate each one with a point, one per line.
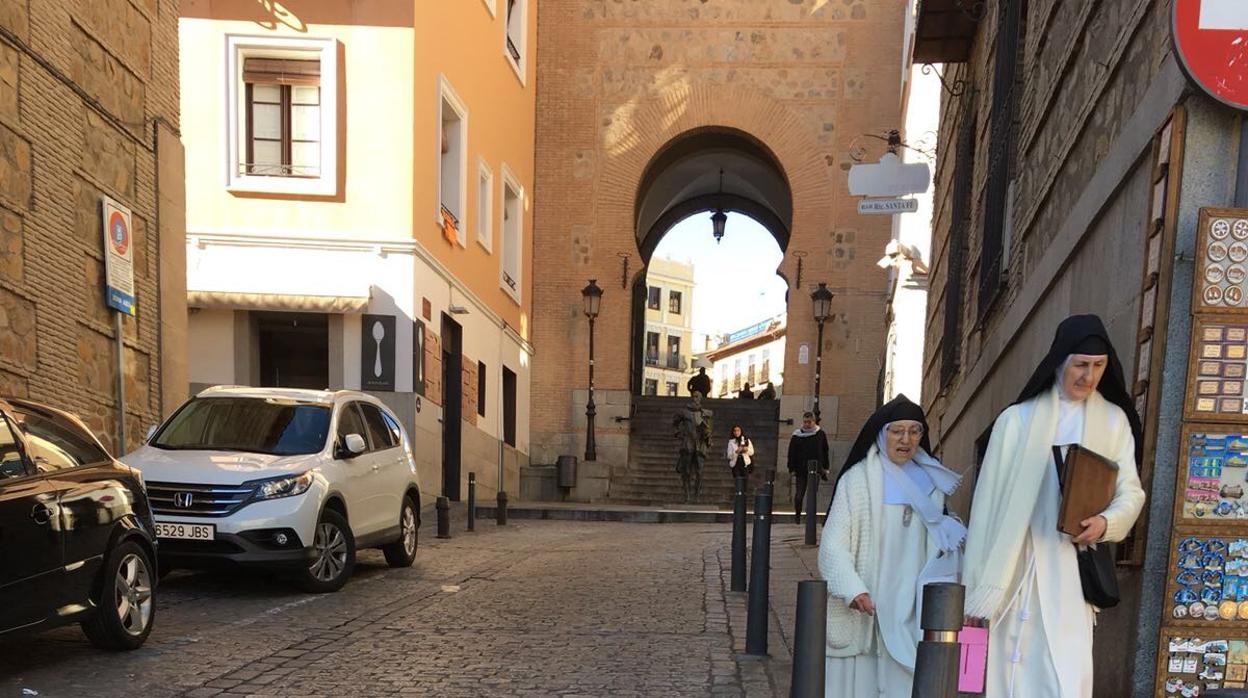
(282, 478)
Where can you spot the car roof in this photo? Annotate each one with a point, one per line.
(324, 397)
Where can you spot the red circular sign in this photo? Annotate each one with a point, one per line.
(1211, 40)
(118, 233)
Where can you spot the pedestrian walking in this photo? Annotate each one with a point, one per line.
(807, 443)
(700, 383)
(768, 393)
(745, 393)
(1022, 574)
(740, 453)
(886, 536)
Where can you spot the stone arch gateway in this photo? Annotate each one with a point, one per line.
(631, 95)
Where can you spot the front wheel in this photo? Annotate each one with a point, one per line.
(125, 609)
(333, 555)
(402, 552)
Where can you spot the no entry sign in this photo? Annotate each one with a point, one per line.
(1211, 40)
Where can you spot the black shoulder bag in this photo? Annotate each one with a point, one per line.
(1097, 573)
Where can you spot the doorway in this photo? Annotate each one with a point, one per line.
(452, 405)
(294, 349)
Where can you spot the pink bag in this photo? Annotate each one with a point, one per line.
(973, 664)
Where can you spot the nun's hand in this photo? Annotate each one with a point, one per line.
(863, 604)
(1093, 530)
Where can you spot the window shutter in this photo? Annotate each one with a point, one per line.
(282, 71)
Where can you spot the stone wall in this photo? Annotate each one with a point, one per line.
(82, 87)
(618, 81)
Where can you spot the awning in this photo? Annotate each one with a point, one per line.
(276, 301)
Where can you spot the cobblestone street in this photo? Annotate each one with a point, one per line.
(535, 608)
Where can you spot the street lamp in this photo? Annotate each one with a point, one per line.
(592, 296)
(719, 219)
(821, 304)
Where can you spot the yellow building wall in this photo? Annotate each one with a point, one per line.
(462, 41)
(374, 117)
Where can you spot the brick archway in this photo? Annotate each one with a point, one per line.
(653, 126)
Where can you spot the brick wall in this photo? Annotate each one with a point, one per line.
(618, 81)
(81, 87)
(1084, 69)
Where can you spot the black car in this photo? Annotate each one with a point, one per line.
(76, 542)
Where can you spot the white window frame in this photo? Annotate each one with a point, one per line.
(485, 223)
(511, 181)
(522, 6)
(237, 49)
(446, 93)
(492, 6)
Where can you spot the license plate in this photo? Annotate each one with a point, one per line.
(185, 531)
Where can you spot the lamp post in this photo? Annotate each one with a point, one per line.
(592, 296)
(821, 303)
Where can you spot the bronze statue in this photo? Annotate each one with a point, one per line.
(693, 428)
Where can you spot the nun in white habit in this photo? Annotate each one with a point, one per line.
(1021, 572)
(886, 535)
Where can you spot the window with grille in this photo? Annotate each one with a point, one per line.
(283, 100)
(992, 253)
(959, 231)
(512, 234)
(673, 302)
(281, 134)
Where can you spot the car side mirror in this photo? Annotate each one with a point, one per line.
(352, 446)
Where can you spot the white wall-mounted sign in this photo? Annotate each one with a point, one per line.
(118, 256)
(889, 177)
(803, 354)
(887, 206)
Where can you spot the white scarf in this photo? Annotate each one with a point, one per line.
(1019, 454)
(946, 532)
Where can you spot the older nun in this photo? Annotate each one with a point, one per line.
(886, 536)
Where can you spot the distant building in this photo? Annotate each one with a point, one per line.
(753, 355)
(668, 346)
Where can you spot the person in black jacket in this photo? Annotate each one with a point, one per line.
(700, 383)
(807, 443)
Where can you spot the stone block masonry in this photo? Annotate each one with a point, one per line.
(84, 88)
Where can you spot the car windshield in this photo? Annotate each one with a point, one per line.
(249, 424)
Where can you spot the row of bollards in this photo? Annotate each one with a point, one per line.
(443, 507)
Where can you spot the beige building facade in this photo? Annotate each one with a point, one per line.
(668, 348)
(751, 356)
(88, 110)
(643, 106)
(360, 214)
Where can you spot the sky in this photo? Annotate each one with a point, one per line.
(735, 282)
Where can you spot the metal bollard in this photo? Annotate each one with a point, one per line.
(444, 517)
(937, 663)
(472, 501)
(738, 536)
(760, 571)
(812, 499)
(500, 514)
(810, 639)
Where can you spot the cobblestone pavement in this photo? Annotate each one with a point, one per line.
(535, 608)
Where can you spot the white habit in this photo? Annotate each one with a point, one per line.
(867, 547)
(1021, 572)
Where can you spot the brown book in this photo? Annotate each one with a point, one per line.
(1088, 480)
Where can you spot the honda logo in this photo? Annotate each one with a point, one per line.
(183, 499)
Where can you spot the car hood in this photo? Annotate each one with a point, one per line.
(214, 467)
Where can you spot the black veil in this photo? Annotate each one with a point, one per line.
(1085, 334)
(894, 410)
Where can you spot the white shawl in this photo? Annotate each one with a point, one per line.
(1019, 453)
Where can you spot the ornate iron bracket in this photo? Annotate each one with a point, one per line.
(624, 258)
(800, 255)
(955, 89)
(974, 10)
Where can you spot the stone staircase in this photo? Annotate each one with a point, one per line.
(651, 477)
